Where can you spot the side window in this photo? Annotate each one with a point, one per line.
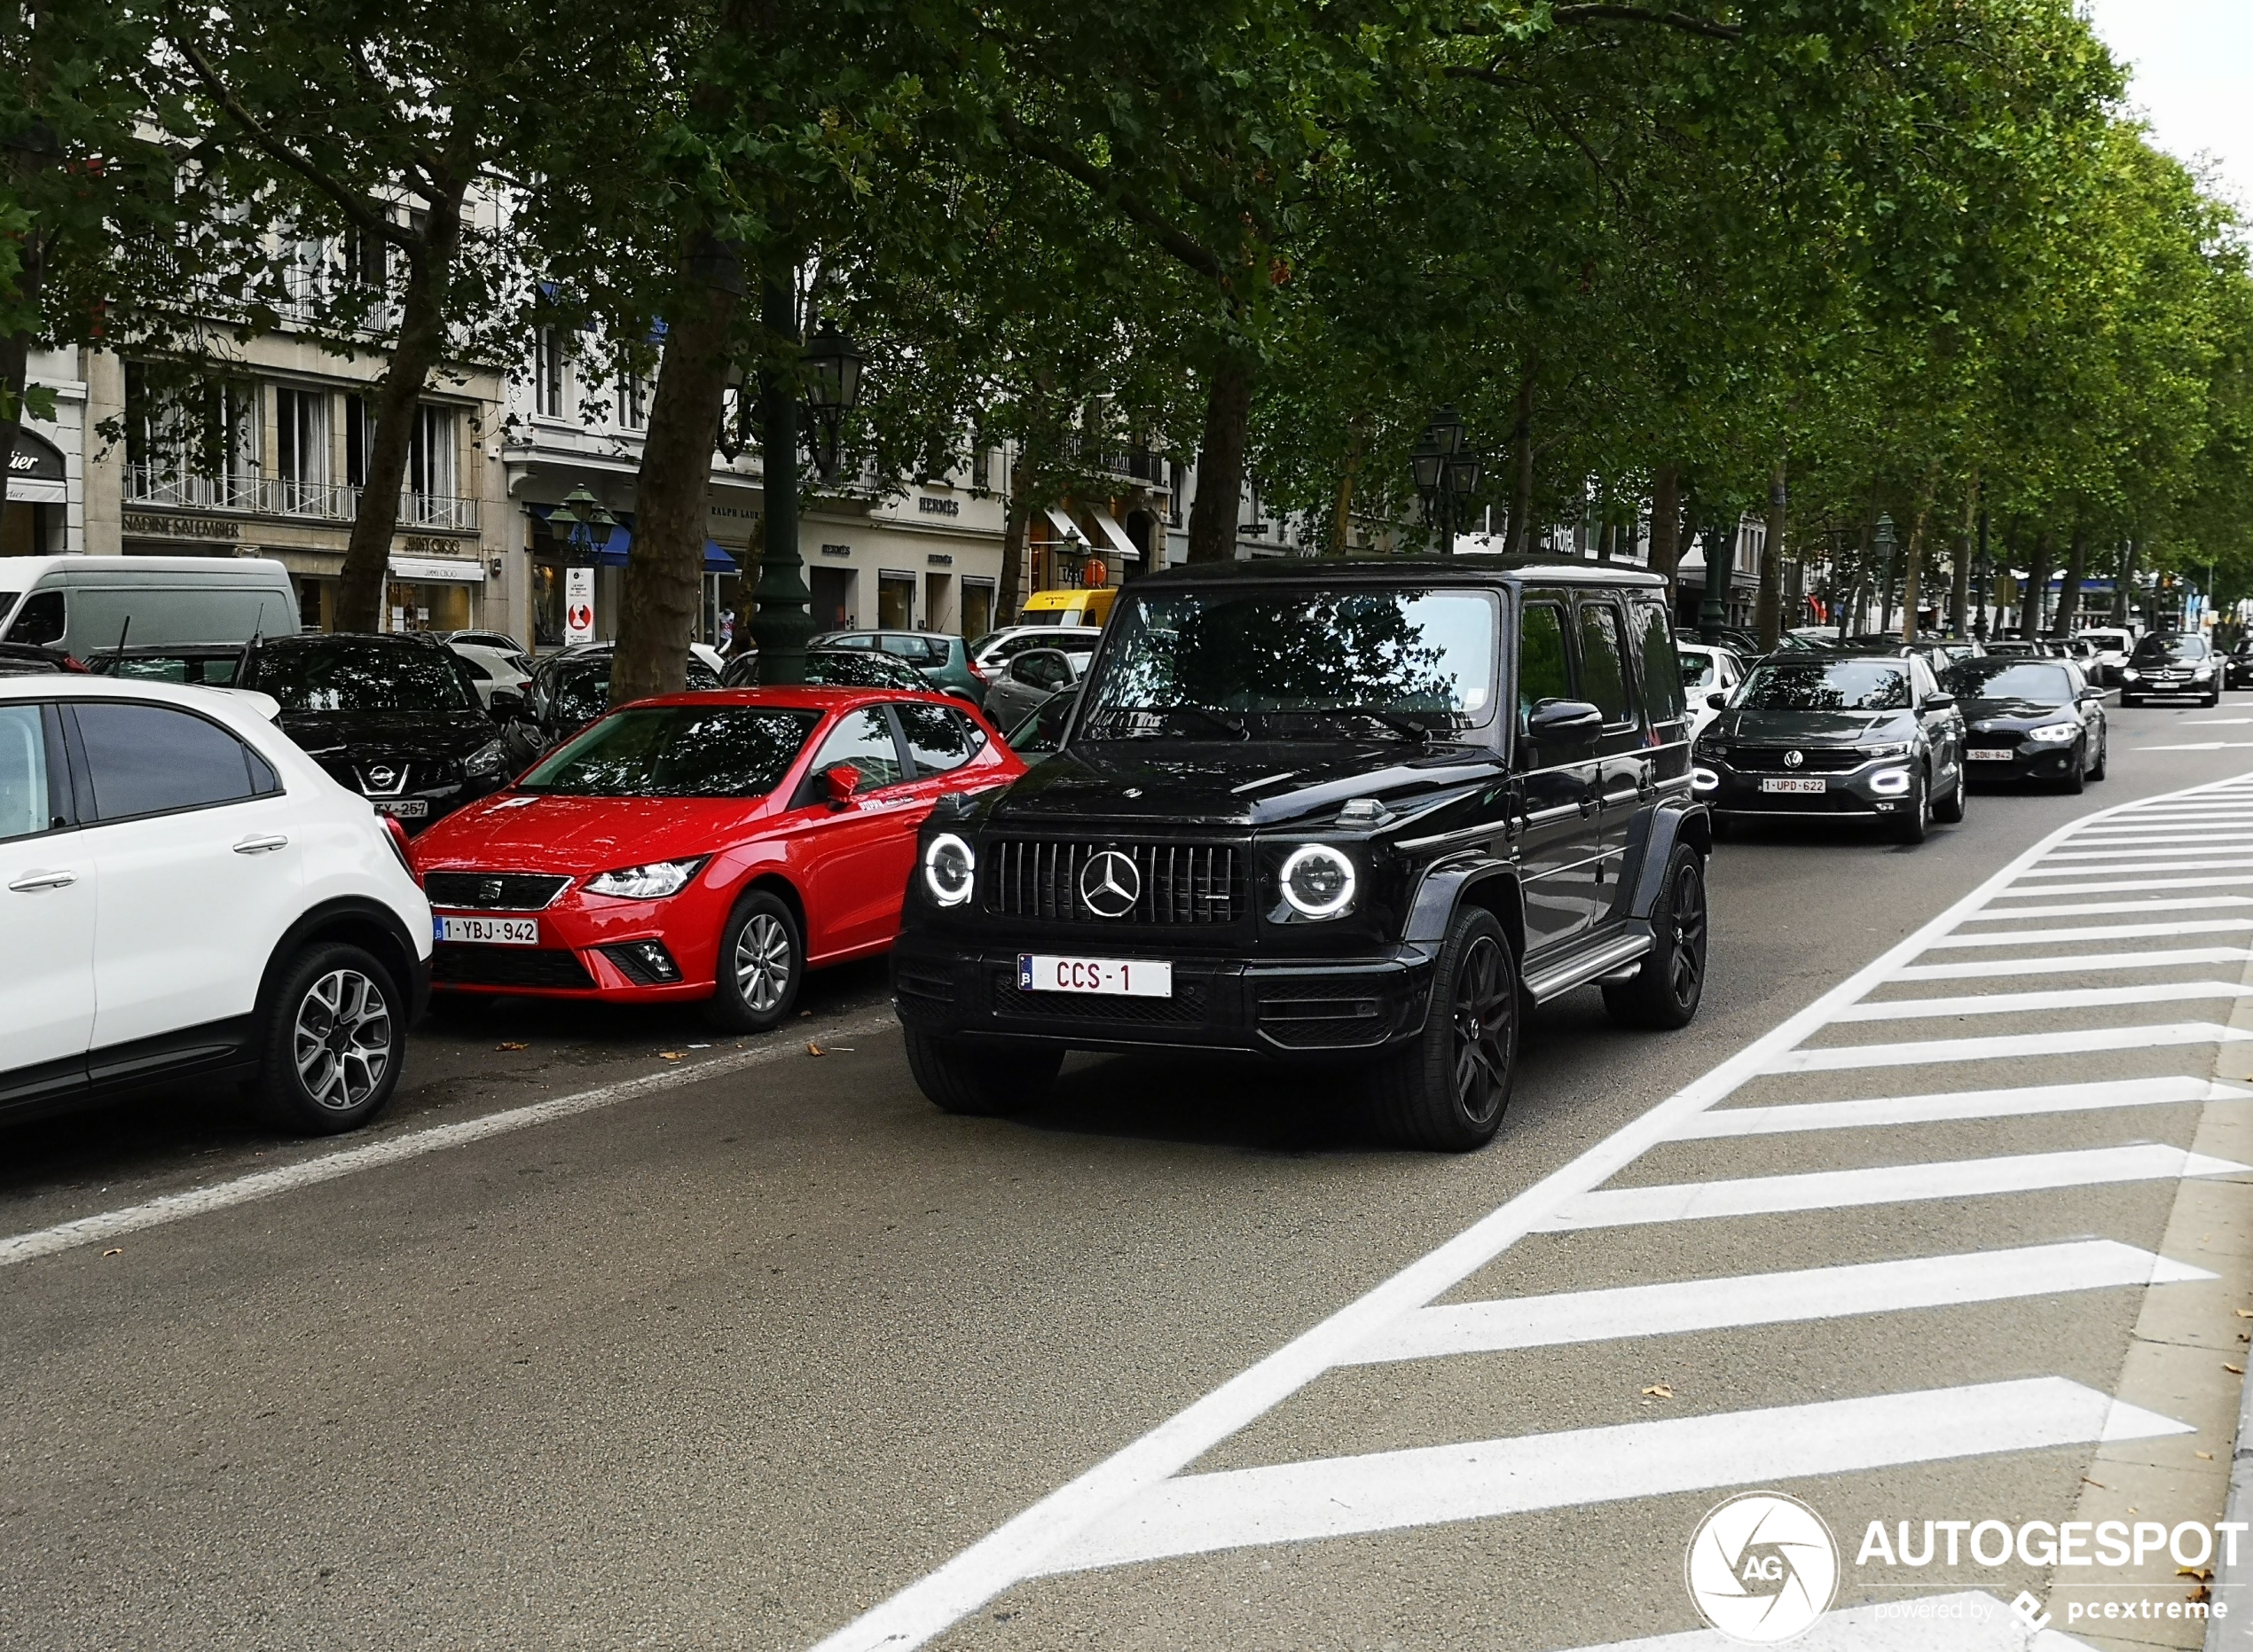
(864, 739)
(146, 760)
(1604, 663)
(24, 808)
(938, 739)
(1543, 671)
(40, 620)
(1662, 671)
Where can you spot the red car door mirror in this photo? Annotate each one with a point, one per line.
(839, 783)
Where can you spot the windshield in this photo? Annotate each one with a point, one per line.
(2166, 649)
(1295, 661)
(362, 676)
(849, 668)
(583, 689)
(2013, 679)
(677, 751)
(1697, 671)
(1838, 686)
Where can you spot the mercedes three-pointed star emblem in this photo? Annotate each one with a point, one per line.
(1110, 884)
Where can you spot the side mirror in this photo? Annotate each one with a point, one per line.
(1564, 720)
(839, 783)
(2092, 693)
(1936, 702)
(506, 706)
(1718, 700)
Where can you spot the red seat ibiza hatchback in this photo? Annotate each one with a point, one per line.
(710, 845)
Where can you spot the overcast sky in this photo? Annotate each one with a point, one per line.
(2191, 64)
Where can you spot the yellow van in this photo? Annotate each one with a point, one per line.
(1090, 605)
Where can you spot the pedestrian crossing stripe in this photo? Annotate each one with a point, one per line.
(2076, 963)
(2016, 914)
(2090, 932)
(1878, 1112)
(2033, 1003)
(2025, 891)
(1842, 1057)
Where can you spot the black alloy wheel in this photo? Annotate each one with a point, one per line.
(990, 1080)
(1663, 994)
(1446, 1089)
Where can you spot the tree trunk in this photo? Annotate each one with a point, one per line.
(1219, 460)
(398, 399)
(2123, 593)
(1960, 591)
(1771, 614)
(2033, 616)
(1665, 524)
(2076, 569)
(1914, 556)
(665, 581)
(1521, 469)
(1341, 532)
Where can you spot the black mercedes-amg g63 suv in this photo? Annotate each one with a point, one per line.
(1356, 814)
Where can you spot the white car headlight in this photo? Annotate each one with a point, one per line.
(650, 882)
(1318, 880)
(486, 760)
(2054, 734)
(1892, 748)
(950, 869)
(2130, 672)
(2204, 672)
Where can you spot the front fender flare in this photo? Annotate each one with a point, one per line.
(1672, 822)
(1485, 880)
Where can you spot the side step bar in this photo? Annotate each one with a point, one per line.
(1586, 967)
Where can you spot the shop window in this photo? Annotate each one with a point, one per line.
(978, 608)
(896, 602)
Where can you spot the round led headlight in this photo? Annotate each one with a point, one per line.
(950, 869)
(1318, 880)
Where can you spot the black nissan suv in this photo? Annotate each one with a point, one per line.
(1330, 812)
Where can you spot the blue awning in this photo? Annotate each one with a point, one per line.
(614, 554)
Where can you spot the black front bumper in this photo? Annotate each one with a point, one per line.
(1853, 793)
(1299, 1010)
(2028, 761)
(2153, 688)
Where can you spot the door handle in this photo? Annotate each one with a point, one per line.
(261, 845)
(31, 880)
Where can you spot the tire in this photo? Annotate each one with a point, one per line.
(760, 967)
(1911, 827)
(2076, 772)
(334, 1042)
(981, 1082)
(1950, 810)
(2104, 756)
(1664, 992)
(1445, 1090)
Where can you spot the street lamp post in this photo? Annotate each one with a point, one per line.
(586, 526)
(1447, 474)
(782, 621)
(1713, 610)
(1886, 545)
(1986, 571)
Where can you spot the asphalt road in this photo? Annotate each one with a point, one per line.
(734, 1343)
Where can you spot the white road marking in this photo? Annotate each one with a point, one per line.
(2065, 998)
(2209, 723)
(1024, 1545)
(1882, 1184)
(1679, 1307)
(396, 1149)
(2098, 932)
(2071, 964)
(1969, 1622)
(2175, 851)
(2031, 890)
(2211, 744)
(1479, 1479)
(2165, 1035)
(1947, 1105)
(2205, 862)
(2014, 914)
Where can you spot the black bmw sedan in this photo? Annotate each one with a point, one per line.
(393, 718)
(2031, 720)
(1846, 735)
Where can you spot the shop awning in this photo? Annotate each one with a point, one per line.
(1116, 536)
(35, 473)
(614, 554)
(1065, 527)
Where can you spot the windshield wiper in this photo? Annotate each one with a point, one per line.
(1103, 724)
(1401, 725)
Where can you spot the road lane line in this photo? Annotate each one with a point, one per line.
(2073, 964)
(370, 1156)
(2049, 868)
(2172, 851)
(2211, 744)
(1968, 1622)
(2034, 891)
(2065, 998)
(2012, 914)
(1949, 1106)
(1018, 1549)
(1479, 1479)
(1680, 1306)
(1882, 1184)
(2098, 932)
(2160, 1036)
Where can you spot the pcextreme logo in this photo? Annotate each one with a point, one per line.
(1761, 1568)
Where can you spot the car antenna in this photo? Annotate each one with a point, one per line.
(123, 631)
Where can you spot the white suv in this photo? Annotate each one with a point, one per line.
(183, 892)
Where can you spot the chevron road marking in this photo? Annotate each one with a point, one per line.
(1949, 1106)
(2031, 892)
(2027, 1003)
(2165, 1035)
(2076, 964)
(2015, 913)
(2096, 932)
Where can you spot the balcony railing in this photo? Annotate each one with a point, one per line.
(288, 498)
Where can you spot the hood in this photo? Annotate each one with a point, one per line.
(521, 832)
(1809, 728)
(356, 736)
(2010, 711)
(1254, 784)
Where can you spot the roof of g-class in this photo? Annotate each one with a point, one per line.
(1468, 570)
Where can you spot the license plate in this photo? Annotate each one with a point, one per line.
(490, 931)
(1794, 786)
(1980, 755)
(404, 808)
(1113, 977)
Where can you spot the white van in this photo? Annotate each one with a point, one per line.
(81, 604)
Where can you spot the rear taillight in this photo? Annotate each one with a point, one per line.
(979, 671)
(396, 835)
